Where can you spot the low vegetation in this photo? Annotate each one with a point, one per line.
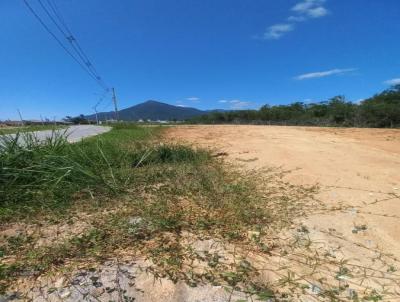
(381, 111)
(37, 175)
(126, 193)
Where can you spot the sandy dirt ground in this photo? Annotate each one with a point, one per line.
(358, 176)
(358, 171)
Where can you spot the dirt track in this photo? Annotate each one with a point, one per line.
(358, 170)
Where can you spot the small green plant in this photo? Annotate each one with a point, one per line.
(343, 273)
(359, 228)
(373, 296)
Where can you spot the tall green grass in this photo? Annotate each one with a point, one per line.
(37, 175)
(44, 175)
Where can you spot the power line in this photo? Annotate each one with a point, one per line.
(70, 37)
(58, 15)
(63, 46)
(108, 104)
(101, 98)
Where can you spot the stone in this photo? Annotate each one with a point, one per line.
(135, 220)
(59, 283)
(253, 234)
(64, 294)
(315, 289)
(96, 292)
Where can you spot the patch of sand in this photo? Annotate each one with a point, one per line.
(358, 171)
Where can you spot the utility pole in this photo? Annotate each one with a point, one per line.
(115, 104)
(96, 106)
(20, 116)
(97, 118)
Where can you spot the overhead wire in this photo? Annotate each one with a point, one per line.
(82, 65)
(58, 15)
(70, 39)
(107, 105)
(70, 36)
(101, 99)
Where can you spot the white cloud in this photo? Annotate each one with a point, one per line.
(296, 19)
(393, 82)
(237, 104)
(278, 30)
(322, 74)
(181, 106)
(303, 10)
(193, 99)
(311, 8)
(306, 5)
(318, 12)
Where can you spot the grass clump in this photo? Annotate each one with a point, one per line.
(168, 154)
(37, 175)
(34, 171)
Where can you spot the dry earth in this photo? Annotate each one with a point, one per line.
(358, 171)
(357, 167)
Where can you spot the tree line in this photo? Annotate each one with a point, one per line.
(381, 110)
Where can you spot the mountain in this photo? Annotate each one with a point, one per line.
(151, 110)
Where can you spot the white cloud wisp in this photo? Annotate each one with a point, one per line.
(302, 11)
(392, 82)
(322, 74)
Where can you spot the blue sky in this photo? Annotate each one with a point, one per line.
(201, 53)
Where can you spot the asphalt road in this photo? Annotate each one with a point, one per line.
(76, 133)
(73, 133)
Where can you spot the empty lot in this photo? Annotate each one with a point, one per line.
(357, 170)
(318, 221)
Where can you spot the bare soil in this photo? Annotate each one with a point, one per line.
(358, 171)
(351, 243)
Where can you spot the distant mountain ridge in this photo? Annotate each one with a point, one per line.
(150, 110)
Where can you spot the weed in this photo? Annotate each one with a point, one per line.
(37, 175)
(373, 296)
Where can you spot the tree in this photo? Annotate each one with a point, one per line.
(341, 111)
(78, 120)
(381, 110)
